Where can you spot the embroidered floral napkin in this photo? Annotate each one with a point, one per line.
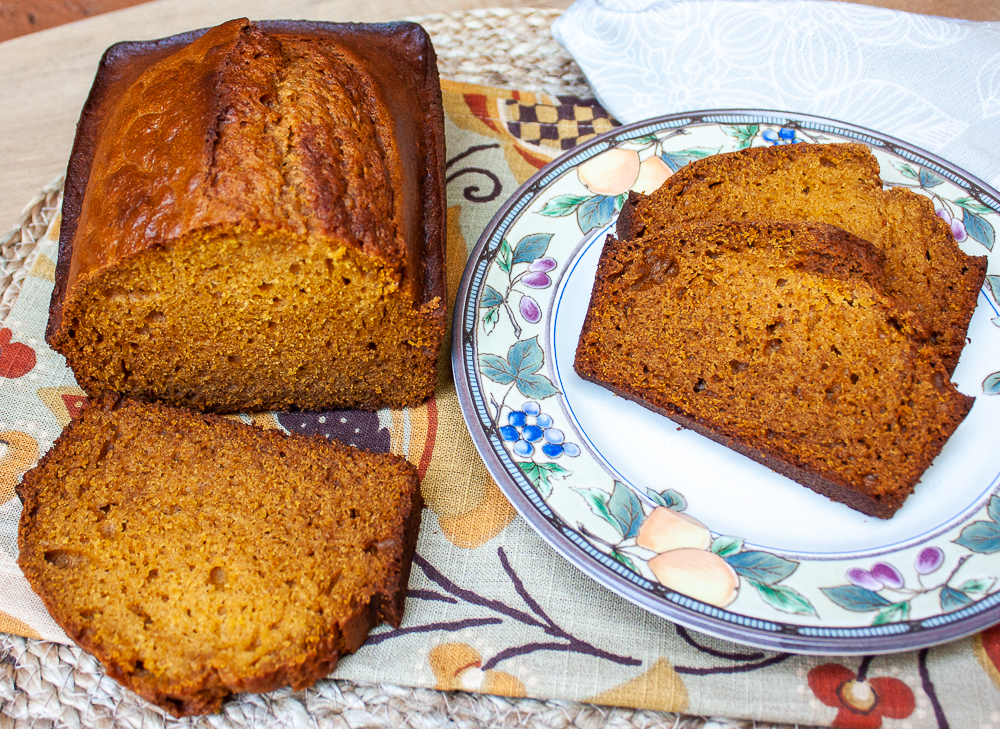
(491, 607)
(933, 82)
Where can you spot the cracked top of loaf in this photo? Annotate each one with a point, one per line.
(304, 128)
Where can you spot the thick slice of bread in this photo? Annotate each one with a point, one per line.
(776, 340)
(837, 184)
(195, 556)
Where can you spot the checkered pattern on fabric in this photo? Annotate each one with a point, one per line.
(560, 126)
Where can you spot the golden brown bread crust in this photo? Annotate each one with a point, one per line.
(119, 537)
(838, 184)
(281, 131)
(759, 335)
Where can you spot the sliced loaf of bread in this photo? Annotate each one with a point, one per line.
(194, 556)
(837, 184)
(254, 220)
(777, 340)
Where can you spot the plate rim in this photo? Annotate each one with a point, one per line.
(677, 607)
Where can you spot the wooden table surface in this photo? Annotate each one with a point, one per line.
(45, 76)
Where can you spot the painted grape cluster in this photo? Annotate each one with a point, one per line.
(529, 427)
(785, 135)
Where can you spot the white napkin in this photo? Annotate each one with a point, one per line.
(933, 82)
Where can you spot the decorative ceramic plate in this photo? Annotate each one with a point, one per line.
(753, 557)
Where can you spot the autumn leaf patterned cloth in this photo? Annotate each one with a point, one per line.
(491, 607)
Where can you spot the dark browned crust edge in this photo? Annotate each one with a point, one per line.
(968, 298)
(828, 487)
(409, 44)
(836, 252)
(206, 695)
(111, 70)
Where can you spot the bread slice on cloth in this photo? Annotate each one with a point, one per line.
(777, 340)
(838, 184)
(195, 556)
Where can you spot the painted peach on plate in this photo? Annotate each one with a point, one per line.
(705, 576)
(610, 173)
(665, 529)
(653, 172)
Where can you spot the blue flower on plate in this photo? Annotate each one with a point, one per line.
(530, 427)
(785, 135)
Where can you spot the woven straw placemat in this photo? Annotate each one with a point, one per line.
(45, 684)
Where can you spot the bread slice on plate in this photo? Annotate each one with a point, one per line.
(838, 184)
(195, 556)
(777, 340)
(254, 220)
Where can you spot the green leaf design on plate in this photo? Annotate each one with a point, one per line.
(980, 536)
(726, 546)
(626, 509)
(979, 229)
(743, 133)
(975, 586)
(669, 498)
(952, 599)
(541, 475)
(497, 368)
(896, 612)
(762, 567)
(531, 247)
(490, 298)
(676, 160)
(595, 212)
(991, 385)
(536, 387)
(562, 205)
(993, 508)
(597, 500)
(490, 319)
(907, 171)
(973, 205)
(993, 281)
(624, 559)
(855, 598)
(524, 358)
(784, 598)
(929, 179)
(504, 256)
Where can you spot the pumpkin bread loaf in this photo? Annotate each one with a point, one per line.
(254, 220)
(837, 184)
(777, 340)
(195, 556)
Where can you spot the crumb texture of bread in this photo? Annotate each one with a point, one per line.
(838, 184)
(777, 340)
(255, 220)
(196, 557)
